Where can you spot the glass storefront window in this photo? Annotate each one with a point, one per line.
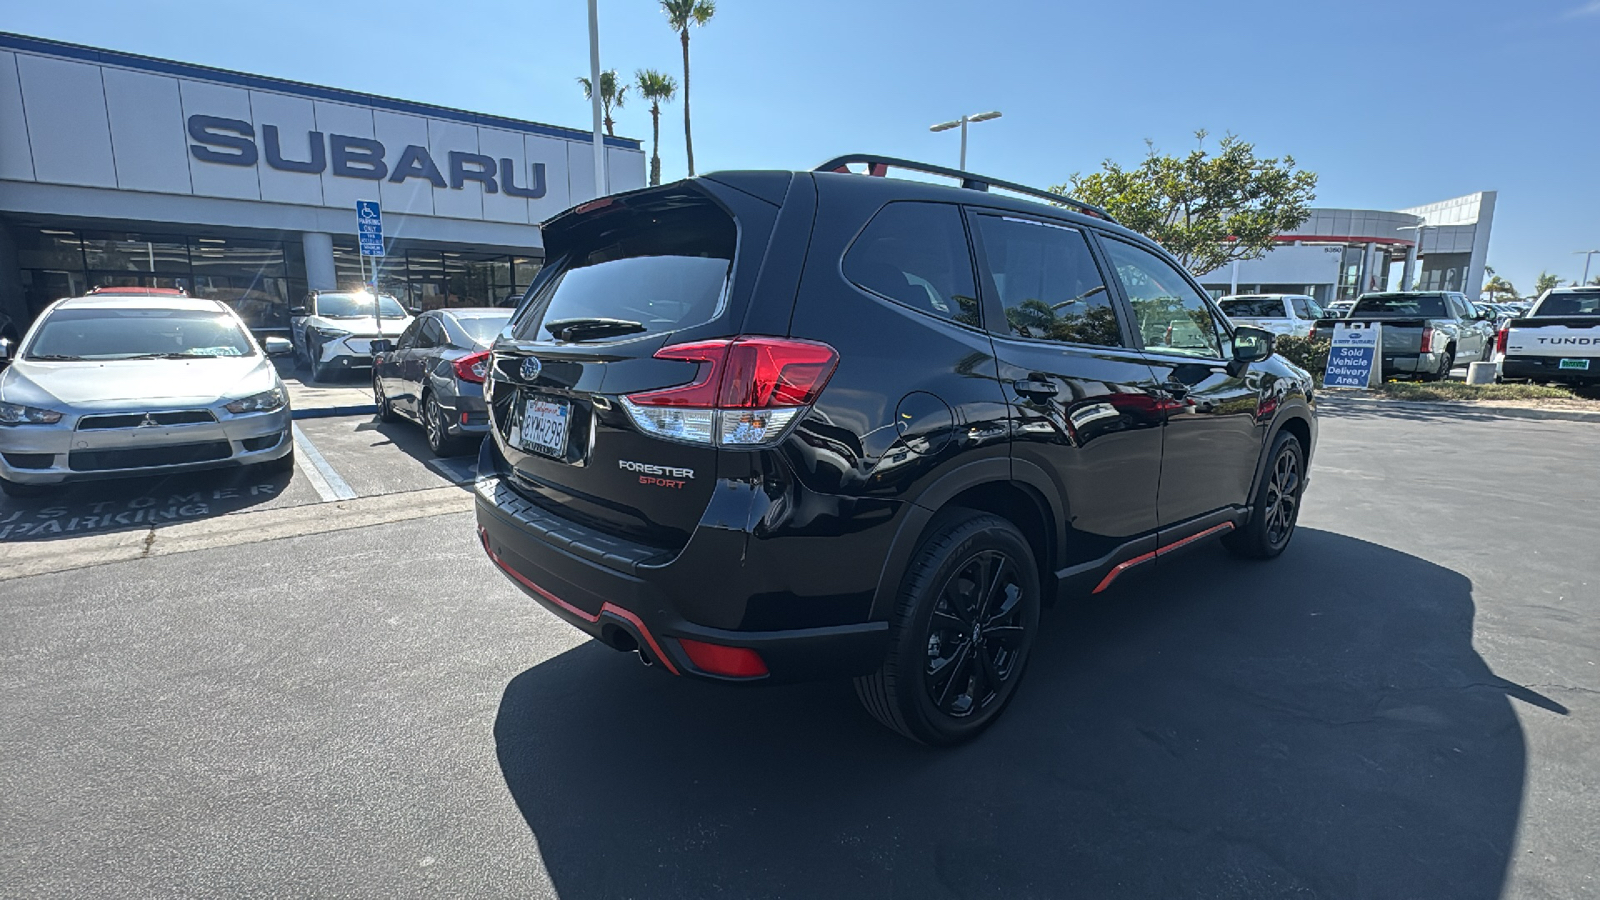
(151, 254)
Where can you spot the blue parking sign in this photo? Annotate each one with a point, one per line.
(369, 227)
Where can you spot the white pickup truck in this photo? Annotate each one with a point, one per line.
(1289, 314)
(1558, 340)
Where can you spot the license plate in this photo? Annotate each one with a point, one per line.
(544, 427)
(1582, 364)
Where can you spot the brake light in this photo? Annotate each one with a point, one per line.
(747, 392)
(734, 662)
(472, 367)
(1427, 340)
(1312, 335)
(1500, 340)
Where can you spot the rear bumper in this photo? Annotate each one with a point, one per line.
(632, 596)
(1548, 368)
(1411, 363)
(466, 413)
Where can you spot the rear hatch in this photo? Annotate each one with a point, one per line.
(1563, 336)
(626, 277)
(1266, 313)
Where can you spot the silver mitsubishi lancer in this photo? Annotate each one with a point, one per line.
(106, 386)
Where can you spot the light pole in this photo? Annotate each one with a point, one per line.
(962, 123)
(1587, 255)
(602, 174)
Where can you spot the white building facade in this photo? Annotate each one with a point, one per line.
(1339, 254)
(118, 169)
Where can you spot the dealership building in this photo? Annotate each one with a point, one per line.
(124, 170)
(1338, 254)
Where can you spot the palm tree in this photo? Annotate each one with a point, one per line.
(680, 15)
(1545, 282)
(1498, 286)
(611, 94)
(658, 89)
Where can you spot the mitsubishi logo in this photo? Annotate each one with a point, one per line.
(149, 421)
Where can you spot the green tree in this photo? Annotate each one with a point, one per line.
(1206, 209)
(611, 94)
(1497, 287)
(1545, 282)
(681, 14)
(658, 89)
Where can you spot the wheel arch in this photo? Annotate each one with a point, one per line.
(1296, 419)
(1016, 491)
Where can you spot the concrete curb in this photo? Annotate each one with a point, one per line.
(1460, 406)
(328, 412)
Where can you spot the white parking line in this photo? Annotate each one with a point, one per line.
(326, 482)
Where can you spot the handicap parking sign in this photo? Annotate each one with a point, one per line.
(369, 227)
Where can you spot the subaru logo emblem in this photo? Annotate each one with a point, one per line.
(531, 367)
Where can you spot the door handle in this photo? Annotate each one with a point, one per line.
(1034, 388)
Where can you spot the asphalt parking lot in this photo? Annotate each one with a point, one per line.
(1403, 705)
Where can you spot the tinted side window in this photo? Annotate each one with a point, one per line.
(916, 254)
(1047, 281)
(432, 335)
(1173, 317)
(408, 338)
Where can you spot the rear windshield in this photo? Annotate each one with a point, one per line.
(72, 334)
(482, 329)
(636, 272)
(1253, 307)
(1425, 306)
(357, 305)
(1573, 304)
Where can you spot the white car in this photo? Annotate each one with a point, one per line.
(335, 329)
(1287, 314)
(106, 386)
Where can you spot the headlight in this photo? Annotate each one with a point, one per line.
(326, 333)
(266, 401)
(17, 414)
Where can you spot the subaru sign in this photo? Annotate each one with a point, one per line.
(369, 227)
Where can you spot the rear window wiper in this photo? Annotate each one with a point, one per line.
(578, 329)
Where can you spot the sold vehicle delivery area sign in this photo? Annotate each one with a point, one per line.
(1355, 359)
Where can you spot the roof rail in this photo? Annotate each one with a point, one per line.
(880, 165)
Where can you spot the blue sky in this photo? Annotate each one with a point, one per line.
(1393, 105)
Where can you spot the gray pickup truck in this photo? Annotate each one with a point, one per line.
(1425, 333)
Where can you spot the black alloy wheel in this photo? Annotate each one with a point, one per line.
(381, 400)
(1276, 508)
(975, 635)
(966, 619)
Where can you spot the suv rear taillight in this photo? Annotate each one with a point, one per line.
(1427, 340)
(1500, 340)
(472, 367)
(748, 391)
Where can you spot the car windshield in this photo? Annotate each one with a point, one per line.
(483, 328)
(1253, 307)
(356, 305)
(69, 334)
(1426, 306)
(1570, 304)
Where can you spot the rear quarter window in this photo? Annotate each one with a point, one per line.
(1569, 305)
(916, 255)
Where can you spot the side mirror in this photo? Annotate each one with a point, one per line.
(381, 345)
(414, 310)
(297, 310)
(277, 346)
(1252, 345)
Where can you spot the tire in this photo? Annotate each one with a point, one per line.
(313, 354)
(439, 439)
(979, 557)
(386, 412)
(19, 490)
(1272, 524)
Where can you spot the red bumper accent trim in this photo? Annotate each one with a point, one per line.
(606, 607)
(1146, 557)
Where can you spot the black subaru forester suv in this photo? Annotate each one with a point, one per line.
(766, 426)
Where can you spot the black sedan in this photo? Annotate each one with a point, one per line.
(434, 375)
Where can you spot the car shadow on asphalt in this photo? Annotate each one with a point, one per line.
(1315, 726)
(129, 504)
